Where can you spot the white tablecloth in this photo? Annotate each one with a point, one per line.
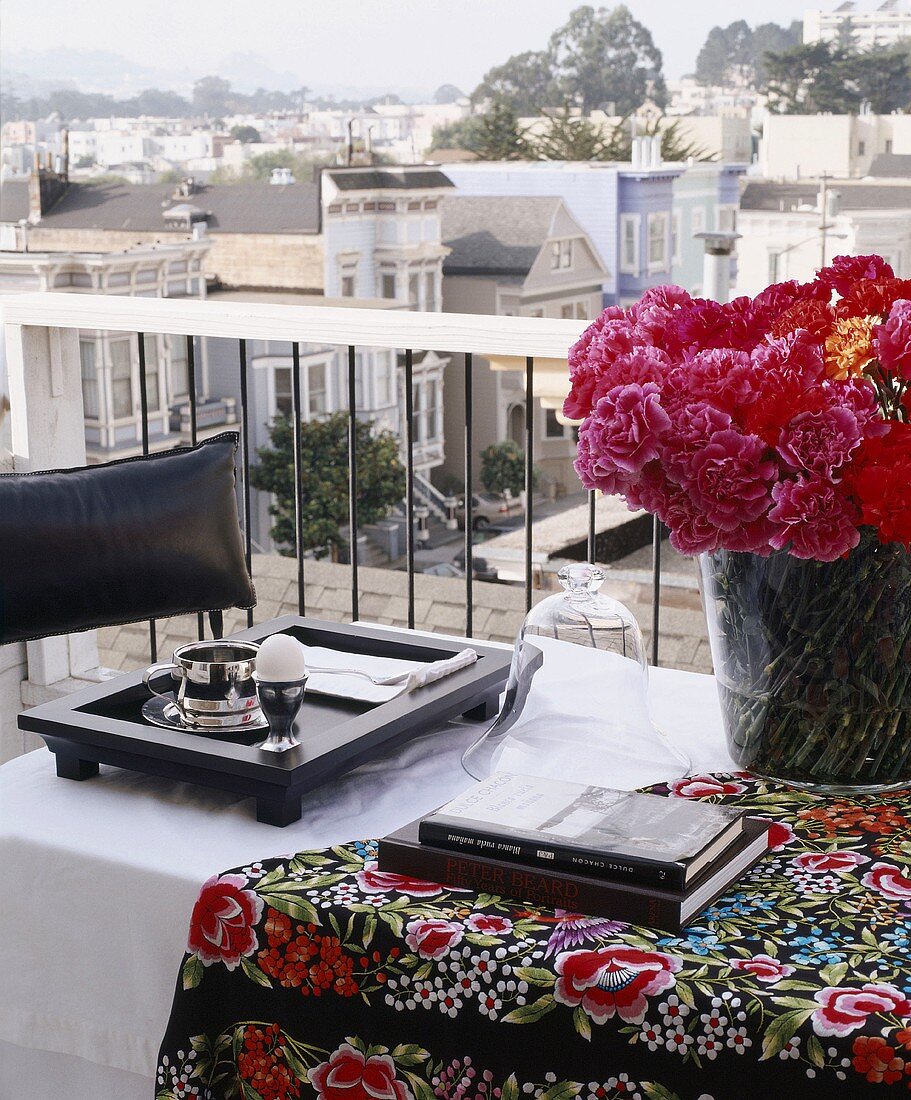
(99, 879)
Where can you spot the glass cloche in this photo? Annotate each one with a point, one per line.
(576, 705)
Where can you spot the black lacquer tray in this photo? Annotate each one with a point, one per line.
(104, 725)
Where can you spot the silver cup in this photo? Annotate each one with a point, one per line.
(215, 688)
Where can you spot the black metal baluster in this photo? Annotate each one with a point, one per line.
(352, 476)
(592, 549)
(298, 447)
(144, 412)
(245, 465)
(656, 585)
(529, 471)
(191, 391)
(409, 480)
(469, 505)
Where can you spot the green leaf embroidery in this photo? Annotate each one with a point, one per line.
(535, 975)
(192, 972)
(781, 1029)
(254, 973)
(581, 1022)
(510, 1090)
(528, 1014)
(562, 1090)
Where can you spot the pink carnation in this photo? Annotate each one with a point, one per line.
(798, 354)
(729, 479)
(893, 341)
(820, 441)
(595, 470)
(859, 396)
(692, 425)
(778, 297)
(816, 521)
(641, 365)
(627, 424)
(691, 532)
(722, 376)
(844, 271)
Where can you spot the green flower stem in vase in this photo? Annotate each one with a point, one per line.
(813, 662)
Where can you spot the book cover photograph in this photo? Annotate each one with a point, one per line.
(594, 830)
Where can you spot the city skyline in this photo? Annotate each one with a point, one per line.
(409, 45)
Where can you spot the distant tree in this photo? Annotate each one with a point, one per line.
(499, 136)
(245, 134)
(260, 167)
(212, 96)
(883, 77)
(171, 175)
(158, 103)
(572, 138)
(808, 79)
(605, 56)
(526, 81)
(464, 133)
(324, 485)
(503, 468)
(447, 93)
(735, 53)
(772, 38)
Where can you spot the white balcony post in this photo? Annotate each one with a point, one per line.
(48, 432)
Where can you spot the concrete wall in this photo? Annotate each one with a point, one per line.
(13, 670)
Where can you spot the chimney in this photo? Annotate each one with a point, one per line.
(45, 186)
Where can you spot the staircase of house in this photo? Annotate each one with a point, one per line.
(427, 494)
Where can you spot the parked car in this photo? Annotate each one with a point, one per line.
(456, 568)
(487, 508)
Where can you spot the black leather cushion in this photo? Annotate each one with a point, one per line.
(135, 539)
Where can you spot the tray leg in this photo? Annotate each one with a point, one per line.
(488, 708)
(278, 811)
(71, 767)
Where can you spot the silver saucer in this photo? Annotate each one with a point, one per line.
(161, 710)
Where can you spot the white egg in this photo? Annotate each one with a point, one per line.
(281, 658)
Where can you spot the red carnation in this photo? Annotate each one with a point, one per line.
(351, 1075)
(872, 297)
(809, 314)
(844, 271)
(880, 480)
(843, 1010)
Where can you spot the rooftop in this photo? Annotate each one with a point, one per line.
(497, 234)
(781, 197)
(374, 179)
(891, 166)
(232, 208)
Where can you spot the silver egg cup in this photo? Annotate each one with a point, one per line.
(280, 702)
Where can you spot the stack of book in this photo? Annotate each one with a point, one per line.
(633, 857)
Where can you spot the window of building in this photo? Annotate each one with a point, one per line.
(553, 429)
(153, 395)
(537, 313)
(727, 219)
(698, 220)
(430, 291)
(582, 311)
(888, 145)
(90, 399)
(387, 284)
(121, 379)
(861, 148)
(179, 374)
(348, 282)
(657, 242)
(317, 391)
(629, 244)
(417, 419)
(384, 389)
(414, 284)
(567, 311)
(774, 272)
(561, 256)
(284, 393)
(430, 412)
(675, 237)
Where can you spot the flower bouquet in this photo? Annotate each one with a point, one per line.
(771, 436)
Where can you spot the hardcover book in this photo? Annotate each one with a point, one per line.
(569, 827)
(670, 910)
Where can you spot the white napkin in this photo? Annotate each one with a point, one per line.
(346, 686)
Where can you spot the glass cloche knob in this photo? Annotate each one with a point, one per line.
(576, 704)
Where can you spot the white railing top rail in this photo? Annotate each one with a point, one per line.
(542, 337)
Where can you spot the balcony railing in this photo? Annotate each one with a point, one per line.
(47, 414)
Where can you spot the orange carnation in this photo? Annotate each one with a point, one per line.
(849, 346)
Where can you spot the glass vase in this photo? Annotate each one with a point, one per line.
(813, 663)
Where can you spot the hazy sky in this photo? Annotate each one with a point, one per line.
(351, 42)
